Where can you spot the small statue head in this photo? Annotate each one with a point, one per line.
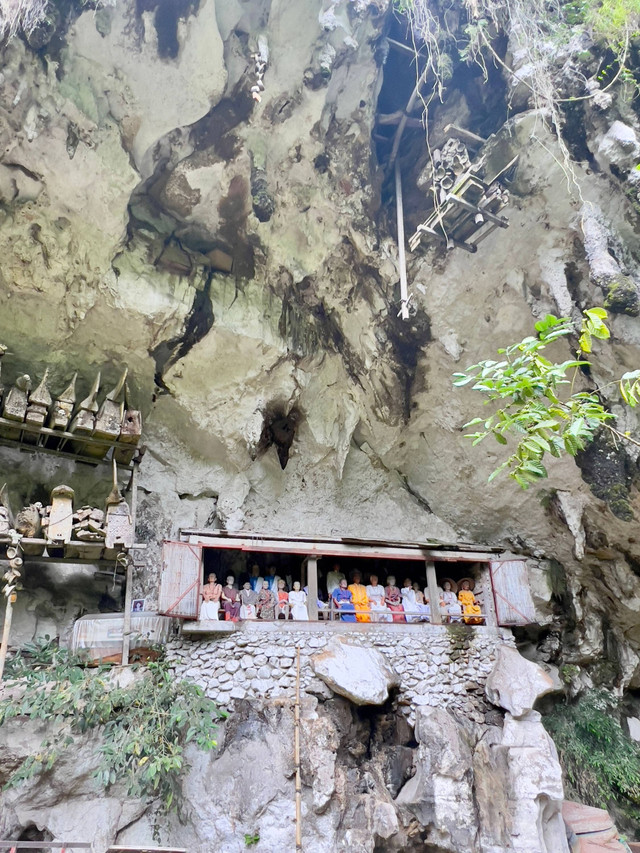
(447, 586)
(373, 580)
(343, 583)
(335, 567)
(391, 580)
(246, 585)
(255, 570)
(212, 578)
(416, 586)
(357, 577)
(407, 583)
(280, 584)
(465, 585)
(265, 584)
(271, 571)
(296, 586)
(230, 580)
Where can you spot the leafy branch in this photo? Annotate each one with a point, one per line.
(144, 727)
(534, 410)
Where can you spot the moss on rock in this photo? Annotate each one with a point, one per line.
(622, 297)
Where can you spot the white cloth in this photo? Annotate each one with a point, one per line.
(455, 611)
(247, 611)
(209, 611)
(379, 610)
(256, 583)
(409, 604)
(298, 604)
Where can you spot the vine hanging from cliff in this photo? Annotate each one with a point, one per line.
(143, 728)
(540, 33)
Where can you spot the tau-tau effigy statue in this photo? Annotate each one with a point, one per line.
(375, 593)
(211, 594)
(298, 603)
(248, 601)
(266, 606)
(231, 600)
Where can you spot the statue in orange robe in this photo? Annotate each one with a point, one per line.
(471, 612)
(359, 598)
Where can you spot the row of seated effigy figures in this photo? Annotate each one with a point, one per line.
(268, 599)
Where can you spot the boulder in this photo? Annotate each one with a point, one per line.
(534, 787)
(515, 683)
(360, 674)
(440, 793)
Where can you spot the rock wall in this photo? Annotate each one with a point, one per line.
(238, 254)
(438, 666)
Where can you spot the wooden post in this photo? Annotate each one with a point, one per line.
(8, 614)
(126, 627)
(296, 750)
(312, 578)
(402, 261)
(434, 598)
(128, 594)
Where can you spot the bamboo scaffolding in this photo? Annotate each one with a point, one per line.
(296, 754)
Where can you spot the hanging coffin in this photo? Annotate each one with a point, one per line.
(15, 406)
(60, 524)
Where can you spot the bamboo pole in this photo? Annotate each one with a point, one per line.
(296, 754)
(402, 261)
(8, 614)
(128, 592)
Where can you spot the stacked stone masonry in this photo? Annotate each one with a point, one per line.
(438, 666)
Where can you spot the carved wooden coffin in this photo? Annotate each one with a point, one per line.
(63, 407)
(129, 437)
(85, 418)
(108, 421)
(15, 405)
(60, 524)
(119, 526)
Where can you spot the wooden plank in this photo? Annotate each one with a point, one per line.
(465, 135)
(312, 580)
(181, 580)
(434, 598)
(118, 848)
(329, 549)
(499, 220)
(47, 845)
(511, 592)
(254, 535)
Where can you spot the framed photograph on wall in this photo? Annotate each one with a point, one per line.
(137, 605)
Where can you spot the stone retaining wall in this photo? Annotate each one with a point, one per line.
(438, 665)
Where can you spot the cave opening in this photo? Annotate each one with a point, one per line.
(279, 426)
(168, 14)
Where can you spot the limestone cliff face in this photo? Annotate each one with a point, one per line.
(238, 255)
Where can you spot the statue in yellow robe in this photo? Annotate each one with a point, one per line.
(359, 597)
(471, 612)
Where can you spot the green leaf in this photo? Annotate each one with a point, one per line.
(585, 341)
(499, 438)
(600, 313)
